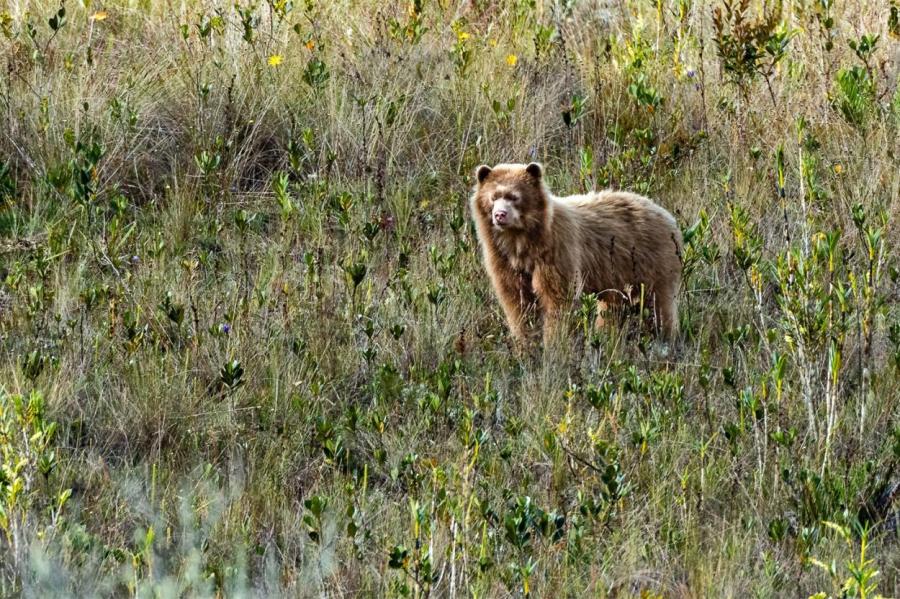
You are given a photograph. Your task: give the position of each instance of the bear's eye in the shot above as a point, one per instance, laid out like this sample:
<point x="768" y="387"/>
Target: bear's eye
<point x="514" y="199"/>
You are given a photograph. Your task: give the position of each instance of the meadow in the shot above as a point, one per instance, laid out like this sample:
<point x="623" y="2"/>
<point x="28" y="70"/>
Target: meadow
<point x="247" y="346"/>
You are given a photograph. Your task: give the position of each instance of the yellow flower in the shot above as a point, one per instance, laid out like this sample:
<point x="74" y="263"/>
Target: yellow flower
<point x="512" y="59"/>
<point x="100" y="15"/>
<point x="838" y="169"/>
<point x="310" y="45"/>
<point x="462" y="36"/>
<point x="275" y="60"/>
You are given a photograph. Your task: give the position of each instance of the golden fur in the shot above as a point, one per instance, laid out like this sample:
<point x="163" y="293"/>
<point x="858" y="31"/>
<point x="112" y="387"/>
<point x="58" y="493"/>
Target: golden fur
<point x="543" y="251"/>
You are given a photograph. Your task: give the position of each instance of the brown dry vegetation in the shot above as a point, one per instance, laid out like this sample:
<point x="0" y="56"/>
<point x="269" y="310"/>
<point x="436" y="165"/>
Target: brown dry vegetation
<point x="247" y="347"/>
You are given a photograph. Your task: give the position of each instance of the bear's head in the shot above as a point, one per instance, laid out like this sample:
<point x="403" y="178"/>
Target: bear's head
<point x="510" y="197"/>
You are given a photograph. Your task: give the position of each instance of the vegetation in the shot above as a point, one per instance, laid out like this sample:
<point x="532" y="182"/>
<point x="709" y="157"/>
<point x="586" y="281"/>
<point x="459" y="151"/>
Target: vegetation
<point x="248" y="347"/>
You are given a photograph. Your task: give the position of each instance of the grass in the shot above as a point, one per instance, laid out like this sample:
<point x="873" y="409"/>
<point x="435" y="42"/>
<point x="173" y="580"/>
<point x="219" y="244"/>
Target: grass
<point x="248" y="347"/>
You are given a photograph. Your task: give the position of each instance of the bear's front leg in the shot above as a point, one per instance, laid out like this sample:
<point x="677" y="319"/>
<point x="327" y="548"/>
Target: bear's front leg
<point x="552" y="291"/>
<point x="516" y="299"/>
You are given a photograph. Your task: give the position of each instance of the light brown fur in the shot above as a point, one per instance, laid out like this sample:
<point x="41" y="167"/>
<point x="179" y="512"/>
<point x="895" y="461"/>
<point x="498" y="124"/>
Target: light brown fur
<point x="609" y="243"/>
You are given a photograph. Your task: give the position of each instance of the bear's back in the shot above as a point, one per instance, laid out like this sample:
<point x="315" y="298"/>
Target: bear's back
<point x="624" y="238"/>
<point x="621" y="213"/>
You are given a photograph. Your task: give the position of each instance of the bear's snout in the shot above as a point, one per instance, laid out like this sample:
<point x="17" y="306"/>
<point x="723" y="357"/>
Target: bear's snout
<point x="504" y="214"/>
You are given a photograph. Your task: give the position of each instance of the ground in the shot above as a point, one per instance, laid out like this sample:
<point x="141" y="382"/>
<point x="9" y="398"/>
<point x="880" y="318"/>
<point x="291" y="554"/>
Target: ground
<point x="248" y="346"/>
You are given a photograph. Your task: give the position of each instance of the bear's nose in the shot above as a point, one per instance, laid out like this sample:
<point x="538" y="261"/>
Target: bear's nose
<point x="500" y="216"/>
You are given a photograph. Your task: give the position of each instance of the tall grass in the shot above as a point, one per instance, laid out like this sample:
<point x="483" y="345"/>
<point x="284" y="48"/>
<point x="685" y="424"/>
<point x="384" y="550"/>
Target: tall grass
<point x="248" y="347"/>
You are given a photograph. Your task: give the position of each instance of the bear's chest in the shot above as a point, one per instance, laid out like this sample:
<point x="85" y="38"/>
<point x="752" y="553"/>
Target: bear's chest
<point x="521" y="264"/>
<point x="518" y="253"/>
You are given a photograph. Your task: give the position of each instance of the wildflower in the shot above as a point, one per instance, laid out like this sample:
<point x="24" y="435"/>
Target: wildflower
<point x="310" y="45"/>
<point x="275" y="60"/>
<point x="100" y="15"/>
<point x="462" y="36"/>
<point x="225" y="328"/>
<point x="838" y="169"/>
<point x="691" y="73"/>
<point x="512" y="59"/>
<point x="135" y="259"/>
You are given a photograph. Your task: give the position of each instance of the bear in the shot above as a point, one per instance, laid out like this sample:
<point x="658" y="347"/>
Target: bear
<point x="542" y="252"/>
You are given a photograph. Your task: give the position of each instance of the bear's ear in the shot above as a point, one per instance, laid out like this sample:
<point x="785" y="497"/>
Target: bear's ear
<point x="482" y="173"/>
<point x="535" y="170"/>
